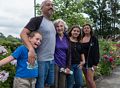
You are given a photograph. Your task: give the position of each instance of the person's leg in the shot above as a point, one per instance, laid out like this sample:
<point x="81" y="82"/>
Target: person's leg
<point x="32" y="82"/>
<point x="21" y="83"/>
<point x="78" y="77"/>
<point x="89" y="76"/>
<point x="86" y="77"/>
<point x="56" y="77"/>
<point x="70" y="79"/>
<point x="50" y="76"/>
<point x="62" y="80"/>
<point x="41" y="74"/>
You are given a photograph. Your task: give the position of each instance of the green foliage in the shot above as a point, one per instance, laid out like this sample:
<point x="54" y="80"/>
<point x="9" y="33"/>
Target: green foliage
<point x="10" y="44"/>
<point x="9" y="82"/>
<point x="9" y="68"/>
<point x="70" y="11"/>
<point x="104" y="14"/>
<point x="109" y="57"/>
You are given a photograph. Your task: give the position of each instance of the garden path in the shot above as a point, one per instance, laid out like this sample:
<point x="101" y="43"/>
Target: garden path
<point x="112" y="81"/>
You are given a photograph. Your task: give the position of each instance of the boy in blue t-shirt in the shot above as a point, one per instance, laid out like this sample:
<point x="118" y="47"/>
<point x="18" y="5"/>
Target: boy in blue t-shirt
<point x="24" y="77"/>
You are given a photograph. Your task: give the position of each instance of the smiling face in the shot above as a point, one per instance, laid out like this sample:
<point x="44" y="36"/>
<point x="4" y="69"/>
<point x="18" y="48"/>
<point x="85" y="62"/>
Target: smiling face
<point x="60" y="28"/>
<point x="35" y="40"/>
<point x="75" y="32"/>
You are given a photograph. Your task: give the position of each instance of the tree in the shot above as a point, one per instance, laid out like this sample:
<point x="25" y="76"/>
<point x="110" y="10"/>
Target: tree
<point x="104" y="15"/>
<point x="2" y="35"/>
<point x="68" y="10"/>
<point x="100" y="11"/>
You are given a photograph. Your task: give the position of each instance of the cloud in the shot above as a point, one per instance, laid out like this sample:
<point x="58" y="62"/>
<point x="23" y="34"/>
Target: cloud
<point x="14" y="14"/>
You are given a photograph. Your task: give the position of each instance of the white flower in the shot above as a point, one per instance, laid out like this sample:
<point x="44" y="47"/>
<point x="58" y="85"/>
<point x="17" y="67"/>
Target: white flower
<point x="14" y="62"/>
<point x="4" y="75"/>
<point x="3" y="51"/>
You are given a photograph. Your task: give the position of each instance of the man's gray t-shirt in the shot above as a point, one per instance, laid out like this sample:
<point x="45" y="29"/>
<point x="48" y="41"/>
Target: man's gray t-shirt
<point x="46" y="50"/>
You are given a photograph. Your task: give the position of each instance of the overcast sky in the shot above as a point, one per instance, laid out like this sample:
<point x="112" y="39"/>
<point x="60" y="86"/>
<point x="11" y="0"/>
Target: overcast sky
<point x="14" y="15"/>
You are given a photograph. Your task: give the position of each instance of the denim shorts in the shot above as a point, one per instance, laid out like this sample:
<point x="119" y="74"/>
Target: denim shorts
<point x="45" y="74"/>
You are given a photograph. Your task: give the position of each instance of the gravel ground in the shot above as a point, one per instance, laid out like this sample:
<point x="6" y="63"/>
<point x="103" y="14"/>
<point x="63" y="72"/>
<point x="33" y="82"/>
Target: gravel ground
<point x="112" y="81"/>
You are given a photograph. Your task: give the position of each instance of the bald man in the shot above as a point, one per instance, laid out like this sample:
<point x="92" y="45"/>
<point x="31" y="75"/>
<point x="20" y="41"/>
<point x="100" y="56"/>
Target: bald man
<point x="45" y="51"/>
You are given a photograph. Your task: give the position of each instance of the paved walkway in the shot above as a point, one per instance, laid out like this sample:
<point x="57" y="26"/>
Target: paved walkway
<point x="112" y="81"/>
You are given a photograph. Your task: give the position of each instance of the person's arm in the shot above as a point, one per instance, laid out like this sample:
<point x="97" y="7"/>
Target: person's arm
<point x="96" y="52"/>
<point x="82" y="61"/>
<point x="6" y="60"/>
<point x="31" y="53"/>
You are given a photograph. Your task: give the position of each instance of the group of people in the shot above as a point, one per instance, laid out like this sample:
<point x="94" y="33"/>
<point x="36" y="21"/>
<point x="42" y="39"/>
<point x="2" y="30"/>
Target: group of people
<point x="75" y="50"/>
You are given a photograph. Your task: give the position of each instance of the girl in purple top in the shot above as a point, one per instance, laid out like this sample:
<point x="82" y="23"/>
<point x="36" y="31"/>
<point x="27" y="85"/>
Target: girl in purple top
<point x="62" y="57"/>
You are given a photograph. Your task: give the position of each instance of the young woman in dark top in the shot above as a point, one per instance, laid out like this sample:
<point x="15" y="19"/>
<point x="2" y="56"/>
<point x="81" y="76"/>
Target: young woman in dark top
<point x="77" y="59"/>
<point x="91" y="51"/>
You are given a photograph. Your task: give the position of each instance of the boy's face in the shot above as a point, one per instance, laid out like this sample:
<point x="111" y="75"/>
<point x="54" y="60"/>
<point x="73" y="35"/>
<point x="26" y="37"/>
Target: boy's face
<point x="36" y="40"/>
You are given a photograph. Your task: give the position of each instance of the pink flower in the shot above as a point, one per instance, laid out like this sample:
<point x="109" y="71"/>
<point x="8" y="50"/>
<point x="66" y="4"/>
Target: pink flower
<point x="111" y="52"/>
<point x="105" y="56"/>
<point x="118" y="45"/>
<point x="111" y="59"/>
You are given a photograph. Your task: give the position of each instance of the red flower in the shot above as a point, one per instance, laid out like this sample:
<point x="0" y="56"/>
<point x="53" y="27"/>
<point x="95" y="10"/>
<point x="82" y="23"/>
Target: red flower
<point x="111" y="59"/>
<point x="118" y="45"/>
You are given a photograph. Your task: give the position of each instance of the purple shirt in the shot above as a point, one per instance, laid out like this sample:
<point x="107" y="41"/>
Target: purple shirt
<point x="61" y="49"/>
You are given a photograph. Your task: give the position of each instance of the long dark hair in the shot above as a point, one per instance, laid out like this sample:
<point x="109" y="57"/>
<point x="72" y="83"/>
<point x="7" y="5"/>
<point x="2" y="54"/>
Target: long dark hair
<point x="91" y="32"/>
<point x="75" y="26"/>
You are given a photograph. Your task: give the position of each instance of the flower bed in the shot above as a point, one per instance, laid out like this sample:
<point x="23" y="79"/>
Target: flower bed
<point x="110" y="57"/>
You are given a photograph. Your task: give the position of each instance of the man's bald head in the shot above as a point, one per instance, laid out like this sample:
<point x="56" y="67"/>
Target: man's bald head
<point x="44" y="3"/>
<point x="47" y="8"/>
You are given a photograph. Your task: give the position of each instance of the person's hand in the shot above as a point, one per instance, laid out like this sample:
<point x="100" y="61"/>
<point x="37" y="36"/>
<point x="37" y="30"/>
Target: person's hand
<point x="95" y="67"/>
<point x="31" y="56"/>
<point x="81" y="65"/>
<point x="67" y="71"/>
